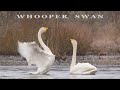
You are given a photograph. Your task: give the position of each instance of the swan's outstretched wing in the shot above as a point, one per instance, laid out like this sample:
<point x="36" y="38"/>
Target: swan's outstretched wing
<point x="28" y="49"/>
<point x="38" y="49"/>
<point x="35" y="55"/>
<point x="25" y="49"/>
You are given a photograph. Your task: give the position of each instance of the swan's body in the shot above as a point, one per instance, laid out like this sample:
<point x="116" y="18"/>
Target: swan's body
<point x="80" y="68"/>
<point x="43" y="59"/>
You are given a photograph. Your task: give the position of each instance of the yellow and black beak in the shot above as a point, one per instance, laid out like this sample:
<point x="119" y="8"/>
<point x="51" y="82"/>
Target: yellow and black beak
<point x="46" y="28"/>
<point x="71" y="40"/>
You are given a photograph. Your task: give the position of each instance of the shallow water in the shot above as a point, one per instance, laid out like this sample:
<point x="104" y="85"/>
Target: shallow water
<point x="57" y="72"/>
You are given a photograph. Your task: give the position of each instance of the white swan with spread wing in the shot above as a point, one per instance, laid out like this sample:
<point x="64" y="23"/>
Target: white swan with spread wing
<point x="80" y="68"/>
<point x="42" y="58"/>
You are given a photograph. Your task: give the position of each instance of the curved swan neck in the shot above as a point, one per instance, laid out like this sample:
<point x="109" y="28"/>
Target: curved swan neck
<point x="73" y="56"/>
<point x="46" y="49"/>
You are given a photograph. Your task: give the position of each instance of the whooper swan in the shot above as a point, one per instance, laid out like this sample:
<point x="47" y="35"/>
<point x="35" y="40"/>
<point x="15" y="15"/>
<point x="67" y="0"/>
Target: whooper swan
<point x="42" y="58"/>
<point x="80" y="68"/>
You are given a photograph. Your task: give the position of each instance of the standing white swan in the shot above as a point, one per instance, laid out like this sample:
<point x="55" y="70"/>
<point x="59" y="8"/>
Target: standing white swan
<point x="43" y="59"/>
<point x="80" y="68"/>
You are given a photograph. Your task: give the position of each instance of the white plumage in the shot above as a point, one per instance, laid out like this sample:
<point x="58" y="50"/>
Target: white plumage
<point x="43" y="59"/>
<point x="80" y="68"/>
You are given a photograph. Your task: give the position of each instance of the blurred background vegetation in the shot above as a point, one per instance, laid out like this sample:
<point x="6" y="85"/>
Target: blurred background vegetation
<point x="94" y="36"/>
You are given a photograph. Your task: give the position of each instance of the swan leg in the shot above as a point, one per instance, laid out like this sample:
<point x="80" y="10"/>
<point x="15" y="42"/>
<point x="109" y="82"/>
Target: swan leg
<point x="29" y="64"/>
<point x="39" y="71"/>
<point x="31" y="72"/>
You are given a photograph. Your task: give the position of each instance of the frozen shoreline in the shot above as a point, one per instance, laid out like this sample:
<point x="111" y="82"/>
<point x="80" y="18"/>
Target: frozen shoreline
<point x="15" y="67"/>
<point x="10" y="60"/>
<point x="57" y="72"/>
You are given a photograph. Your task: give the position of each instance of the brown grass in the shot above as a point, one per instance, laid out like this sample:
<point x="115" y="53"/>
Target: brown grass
<point x="106" y="39"/>
<point x="63" y="32"/>
<point x="98" y="37"/>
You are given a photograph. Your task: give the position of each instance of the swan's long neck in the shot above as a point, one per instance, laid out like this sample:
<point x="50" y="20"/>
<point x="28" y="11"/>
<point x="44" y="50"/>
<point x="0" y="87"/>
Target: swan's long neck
<point x="73" y="56"/>
<point x="46" y="49"/>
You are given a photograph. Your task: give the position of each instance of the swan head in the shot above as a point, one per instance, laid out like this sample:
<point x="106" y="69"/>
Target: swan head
<point x="74" y="42"/>
<point x="43" y="29"/>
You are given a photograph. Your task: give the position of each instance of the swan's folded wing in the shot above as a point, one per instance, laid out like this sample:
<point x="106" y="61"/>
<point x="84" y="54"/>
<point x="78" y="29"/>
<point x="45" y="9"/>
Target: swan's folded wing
<point x="81" y="67"/>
